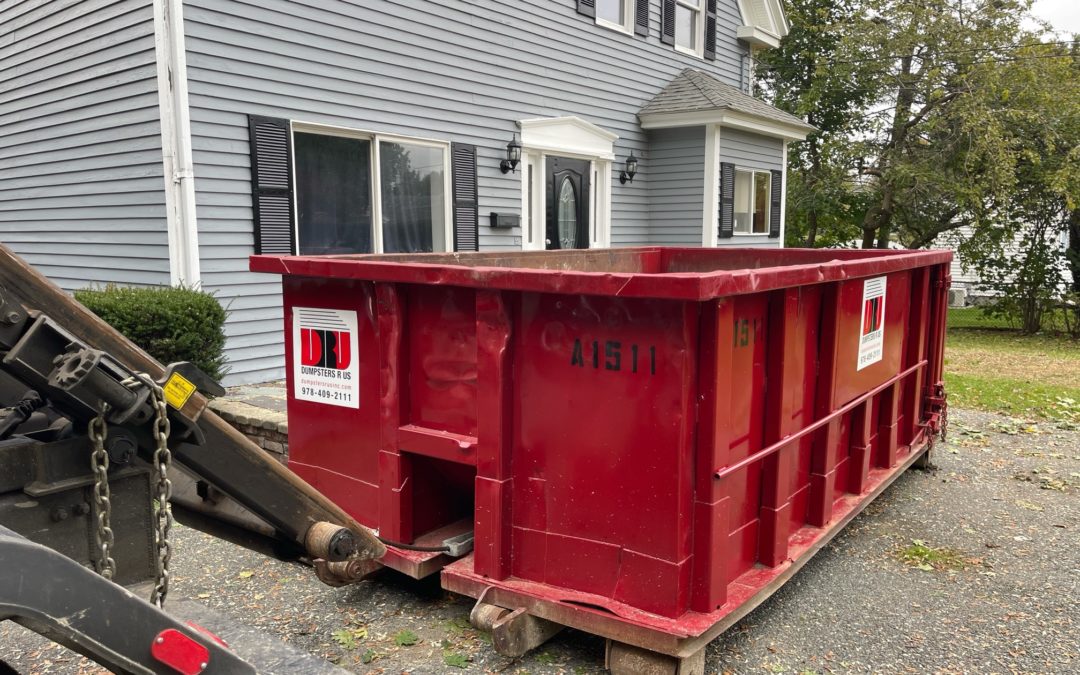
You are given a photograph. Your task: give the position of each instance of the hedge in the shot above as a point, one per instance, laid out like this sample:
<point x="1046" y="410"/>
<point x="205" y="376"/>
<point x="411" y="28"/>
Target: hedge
<point x="171" y="324"/>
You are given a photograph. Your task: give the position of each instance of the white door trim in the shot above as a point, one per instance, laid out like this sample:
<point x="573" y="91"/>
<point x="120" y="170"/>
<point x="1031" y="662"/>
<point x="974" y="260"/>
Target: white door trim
<point x="565" y="137"/>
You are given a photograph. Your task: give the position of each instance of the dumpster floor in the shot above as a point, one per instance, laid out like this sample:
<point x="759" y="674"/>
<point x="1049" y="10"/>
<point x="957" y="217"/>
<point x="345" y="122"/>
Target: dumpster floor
<point x="999" y="520"/>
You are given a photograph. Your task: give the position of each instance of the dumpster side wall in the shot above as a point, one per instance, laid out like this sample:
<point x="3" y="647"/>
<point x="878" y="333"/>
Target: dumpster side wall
<point x="452" y="71"/>
<point x="83" y="196"/>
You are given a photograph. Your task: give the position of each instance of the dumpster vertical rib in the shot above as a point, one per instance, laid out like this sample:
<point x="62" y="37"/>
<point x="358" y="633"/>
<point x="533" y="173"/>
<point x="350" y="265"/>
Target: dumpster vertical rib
<point x="887" y="426"/>
<point x="781" y="387"/>
<point x="860" y="446"/>
<point x="494" y="431"/>
<point x="826" y="442"/>
<point x="916" y="351"/>
<point x="712" y="506"/>
<point x="395" y="484"/>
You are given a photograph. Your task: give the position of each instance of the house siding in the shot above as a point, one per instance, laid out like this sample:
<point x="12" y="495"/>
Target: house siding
<point x="676" y="185"/>
<point x="751" y="151"/>
<point x="478" y="69"/>
<point x="81" y="176"/>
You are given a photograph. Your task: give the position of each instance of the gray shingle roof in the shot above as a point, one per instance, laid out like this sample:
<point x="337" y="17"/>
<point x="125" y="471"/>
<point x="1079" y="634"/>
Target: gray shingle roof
<point x="694" y="91"/>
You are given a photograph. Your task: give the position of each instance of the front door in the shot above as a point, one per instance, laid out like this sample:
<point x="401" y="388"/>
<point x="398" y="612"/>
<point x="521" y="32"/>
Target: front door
<point x="567" y="203"/>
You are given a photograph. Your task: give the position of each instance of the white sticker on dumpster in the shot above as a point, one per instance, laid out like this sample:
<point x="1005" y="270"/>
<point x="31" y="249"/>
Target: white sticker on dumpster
<point x="325" y="365"/>
<point x="872" y="333"/>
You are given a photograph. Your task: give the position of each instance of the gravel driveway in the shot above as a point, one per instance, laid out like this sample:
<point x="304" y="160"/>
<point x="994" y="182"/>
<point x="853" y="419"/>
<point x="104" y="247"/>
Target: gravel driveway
<point x="992" y="586"/>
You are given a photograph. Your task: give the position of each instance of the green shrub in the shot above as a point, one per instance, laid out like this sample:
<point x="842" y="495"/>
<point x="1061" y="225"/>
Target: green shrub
<point x="171" y="324"/>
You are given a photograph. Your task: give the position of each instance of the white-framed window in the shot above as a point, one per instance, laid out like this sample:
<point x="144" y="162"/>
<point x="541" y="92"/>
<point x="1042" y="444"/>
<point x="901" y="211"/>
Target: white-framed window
<point x="363" y="192"/>
<point x="752" y="196"/>
<point x="616" y="14"/>
<point x="689" y="27"/>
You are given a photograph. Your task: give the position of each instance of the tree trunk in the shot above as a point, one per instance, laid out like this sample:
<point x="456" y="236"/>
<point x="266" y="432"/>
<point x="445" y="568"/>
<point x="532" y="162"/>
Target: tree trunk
<point x="883" y="235"/>
<point x="811" y="227"/>
<point x="1073" y="252"/>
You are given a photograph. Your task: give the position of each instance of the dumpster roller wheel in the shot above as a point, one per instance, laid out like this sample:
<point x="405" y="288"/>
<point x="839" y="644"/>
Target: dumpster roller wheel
<point x="623" y="659"/>
<point x="513" y="631"/>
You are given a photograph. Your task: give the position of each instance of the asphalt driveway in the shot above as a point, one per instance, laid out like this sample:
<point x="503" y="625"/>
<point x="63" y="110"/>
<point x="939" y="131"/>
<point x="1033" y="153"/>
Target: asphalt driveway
<point x="974" y="567"/>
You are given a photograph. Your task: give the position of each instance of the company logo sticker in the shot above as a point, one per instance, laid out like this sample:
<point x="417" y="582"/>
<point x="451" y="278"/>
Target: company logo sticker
<point x="872" y="334"/>
<point x="325" y="365"/>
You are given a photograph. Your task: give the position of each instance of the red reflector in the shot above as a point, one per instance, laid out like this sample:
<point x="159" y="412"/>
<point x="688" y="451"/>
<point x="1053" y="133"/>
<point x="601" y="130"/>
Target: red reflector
<point x="205" y="631"/>
<point x="179" y="652"/>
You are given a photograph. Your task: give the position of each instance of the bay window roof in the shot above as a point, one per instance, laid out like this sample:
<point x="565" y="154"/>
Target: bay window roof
<point x="695" y="98"/>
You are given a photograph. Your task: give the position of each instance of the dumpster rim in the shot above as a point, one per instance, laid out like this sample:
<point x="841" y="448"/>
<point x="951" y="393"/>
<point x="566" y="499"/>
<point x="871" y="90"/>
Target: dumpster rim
<point x="686" y="286"/>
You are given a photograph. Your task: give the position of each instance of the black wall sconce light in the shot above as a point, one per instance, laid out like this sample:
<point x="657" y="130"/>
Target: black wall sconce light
<point x="627" y="174"/>
<point x="513" y="156"/>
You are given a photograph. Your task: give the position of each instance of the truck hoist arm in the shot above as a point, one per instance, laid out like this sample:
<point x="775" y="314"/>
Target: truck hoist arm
<point x="64" y="374"/>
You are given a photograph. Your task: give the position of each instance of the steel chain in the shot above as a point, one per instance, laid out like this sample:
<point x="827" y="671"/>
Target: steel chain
<point x="944" y="421"/>
<point x="99" y="464"/>
<point x="162" y="460"/>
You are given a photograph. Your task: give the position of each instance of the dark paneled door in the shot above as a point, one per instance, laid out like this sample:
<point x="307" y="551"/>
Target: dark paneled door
<point x="567" y="203"/>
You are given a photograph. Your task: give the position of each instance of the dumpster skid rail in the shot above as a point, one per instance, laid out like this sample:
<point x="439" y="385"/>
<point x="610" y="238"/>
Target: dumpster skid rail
<point x="645" y="443"/>
<point x="63" y="372"/>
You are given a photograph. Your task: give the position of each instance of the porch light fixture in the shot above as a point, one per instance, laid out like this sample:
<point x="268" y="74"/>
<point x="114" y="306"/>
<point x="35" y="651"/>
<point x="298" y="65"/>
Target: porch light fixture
<point x="513" y="156"/>
<point x="627" y="175"/>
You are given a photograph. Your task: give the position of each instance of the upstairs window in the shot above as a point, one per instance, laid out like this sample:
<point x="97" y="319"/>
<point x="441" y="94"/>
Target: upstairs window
<point x="614" y="14"/>
<point x="752" y="201"/>
<point x="688" y="26"/>
<point x="626" y="16"/>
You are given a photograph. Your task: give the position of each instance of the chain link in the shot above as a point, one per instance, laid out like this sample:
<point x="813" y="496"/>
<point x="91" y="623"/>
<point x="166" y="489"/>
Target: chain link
<point x="944" y="422"/>
<point x="162" y="460"/>
<point x="99" y="464"/>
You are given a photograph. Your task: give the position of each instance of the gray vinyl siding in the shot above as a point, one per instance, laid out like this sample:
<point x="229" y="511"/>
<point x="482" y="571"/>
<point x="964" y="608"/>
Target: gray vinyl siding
<point x="751" y="151"/>
<point x="453" y="70"/>
<point x="676" y="186"/>
<point x="81" y="176"/>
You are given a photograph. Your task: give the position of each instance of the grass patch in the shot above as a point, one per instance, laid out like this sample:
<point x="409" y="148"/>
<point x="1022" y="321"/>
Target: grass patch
<point x="1033" y="376"/>
<point x="921" y="555"/>
<point x="974" y="317"/>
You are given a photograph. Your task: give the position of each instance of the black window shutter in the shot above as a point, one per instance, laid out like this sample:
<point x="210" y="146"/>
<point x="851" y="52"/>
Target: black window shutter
<point x="710" y="30"/>
<point x="271" y="184"/>
<point x="586" y="7"/>
<point x="727" y="200"/>
<point x="667" y="22"/>
<point x="641" y="18"/>
<point x="776" y="194"/>
<point x="466" y="207"/>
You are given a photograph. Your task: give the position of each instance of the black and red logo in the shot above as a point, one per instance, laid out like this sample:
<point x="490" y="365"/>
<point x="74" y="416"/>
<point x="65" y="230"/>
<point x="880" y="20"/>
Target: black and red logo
<point x="872" y="314"/>
<point x="321" y="348"/>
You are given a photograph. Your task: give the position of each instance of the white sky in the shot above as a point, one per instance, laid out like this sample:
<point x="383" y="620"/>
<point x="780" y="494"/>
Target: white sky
<point x="1063" y="15"/>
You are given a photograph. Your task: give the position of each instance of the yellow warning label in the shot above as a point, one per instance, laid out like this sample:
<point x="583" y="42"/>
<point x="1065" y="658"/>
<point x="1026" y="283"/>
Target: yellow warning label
<point x="178" y="390"/>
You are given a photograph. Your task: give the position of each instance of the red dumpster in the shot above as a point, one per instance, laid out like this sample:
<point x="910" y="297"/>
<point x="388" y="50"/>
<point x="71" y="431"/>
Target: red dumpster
<point x="644" y="442"/>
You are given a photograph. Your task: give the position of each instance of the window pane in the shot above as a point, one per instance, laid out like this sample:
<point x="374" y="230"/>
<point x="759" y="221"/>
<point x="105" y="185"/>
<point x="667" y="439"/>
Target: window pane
<point x="685" y="27"/>
<point x="761" y="202"/>
<point x="568" y="212"/>
<point x="743" y="181"/>
<point x="610" y="10"/>
<point x="413" y="182"/>
<point x="333" y="194"/>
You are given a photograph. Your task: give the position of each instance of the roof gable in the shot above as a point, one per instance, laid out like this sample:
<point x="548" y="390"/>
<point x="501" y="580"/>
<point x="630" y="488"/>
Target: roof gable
<point x="764" y="22"/>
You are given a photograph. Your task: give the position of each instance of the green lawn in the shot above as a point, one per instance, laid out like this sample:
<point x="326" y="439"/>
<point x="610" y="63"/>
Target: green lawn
<point x="1029" y="376"/>
<point x="973" y="317"/>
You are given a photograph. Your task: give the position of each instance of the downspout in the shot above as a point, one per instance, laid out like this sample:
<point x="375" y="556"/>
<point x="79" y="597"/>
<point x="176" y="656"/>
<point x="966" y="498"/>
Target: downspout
<point x="783" y="196"/>
<point x="183" y="233"/>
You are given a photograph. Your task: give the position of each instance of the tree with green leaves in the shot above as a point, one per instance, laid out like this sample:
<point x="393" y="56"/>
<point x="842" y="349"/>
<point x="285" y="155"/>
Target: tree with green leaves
<point x="815" y="74"/>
